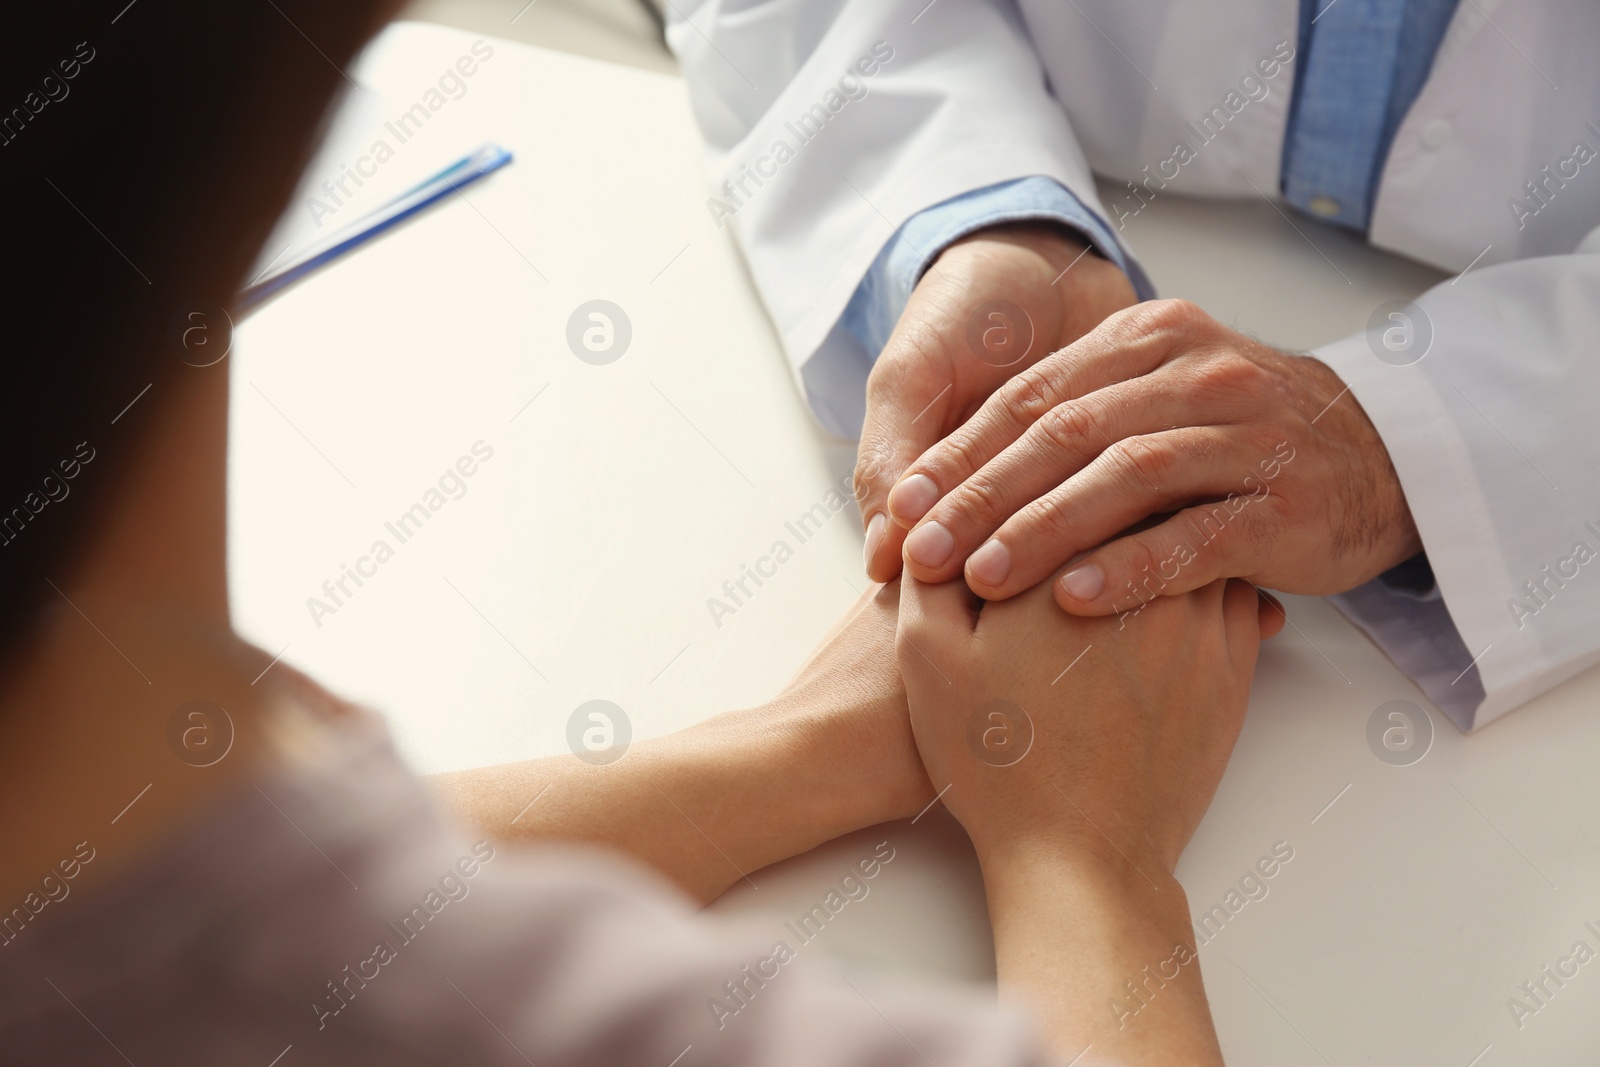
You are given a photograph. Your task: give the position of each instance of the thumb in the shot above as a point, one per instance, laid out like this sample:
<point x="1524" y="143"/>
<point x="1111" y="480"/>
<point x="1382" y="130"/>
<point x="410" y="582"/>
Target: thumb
<point x="909" y="399"/>
<point x="934" y="626"/>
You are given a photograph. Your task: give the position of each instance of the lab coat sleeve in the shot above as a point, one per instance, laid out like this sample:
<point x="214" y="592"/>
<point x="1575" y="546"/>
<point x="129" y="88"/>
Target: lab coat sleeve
<point x="829" y="124"/>
<point x="1494" y="435"/>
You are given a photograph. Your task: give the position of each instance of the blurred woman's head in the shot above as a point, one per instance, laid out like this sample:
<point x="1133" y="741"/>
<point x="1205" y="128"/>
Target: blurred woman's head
<point x="145" y="152"/>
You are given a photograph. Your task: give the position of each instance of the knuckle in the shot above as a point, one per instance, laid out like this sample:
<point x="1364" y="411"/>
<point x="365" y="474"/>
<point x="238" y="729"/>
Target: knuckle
<point x="1217" y="533"/>
<point x="1203" y="525"/>
<point x="1072" y="427"/>
<point x="981" y="500"/>
<point x="1260" y="536"/>
<point x="1165" y="316"/>
<point x="953" y="460"/>
<point x="1259" y="442"/>
<point x="1046" y="519"/>
<point x="1142" y="459"/>
<point x="1200" y="447"/>
<point x="1231" y="375"/>
<point x="1143" y="573"/>
<point x="1176" y="313"/>
<point x="1032" y="392"/>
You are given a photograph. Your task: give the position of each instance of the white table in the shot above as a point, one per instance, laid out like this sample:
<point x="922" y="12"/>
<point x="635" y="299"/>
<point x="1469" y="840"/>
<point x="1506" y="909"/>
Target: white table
<point x="620" y="497"/>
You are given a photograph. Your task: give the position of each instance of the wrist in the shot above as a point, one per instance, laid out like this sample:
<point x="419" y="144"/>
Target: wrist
<point x="845" y="719"/>
<point x="829" y="757"/>
<point x="851" y="739"/>
<point x="1083" y="286"/>
<point x="1055" y="243"/>
<point x="1380" y="515"/>
<point x="1076" y="936"/>
<point x="1093" y="870"/>
<point x="1110" y="909"/>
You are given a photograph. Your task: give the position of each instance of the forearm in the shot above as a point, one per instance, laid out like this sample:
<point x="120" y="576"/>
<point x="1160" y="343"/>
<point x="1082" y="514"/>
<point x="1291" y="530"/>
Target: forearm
<point x="708" y="805"/>
<point x="1105" y="960"/>
<point x="705" y="806"/>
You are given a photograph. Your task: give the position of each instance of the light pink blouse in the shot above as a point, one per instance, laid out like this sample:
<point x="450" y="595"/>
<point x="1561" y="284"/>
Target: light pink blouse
<point x="332" y="915"/>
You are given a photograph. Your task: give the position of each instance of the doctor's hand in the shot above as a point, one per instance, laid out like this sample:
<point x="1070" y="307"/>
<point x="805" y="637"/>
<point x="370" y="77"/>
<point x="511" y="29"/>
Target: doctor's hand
<point x="1233" y="459"/>
<point x="992" y="304"/>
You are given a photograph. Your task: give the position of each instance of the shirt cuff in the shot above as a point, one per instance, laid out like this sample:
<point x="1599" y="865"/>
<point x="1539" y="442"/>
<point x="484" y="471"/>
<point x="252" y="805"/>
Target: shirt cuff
<point x="875" y="308"/>
<point x="1404" y="614"/>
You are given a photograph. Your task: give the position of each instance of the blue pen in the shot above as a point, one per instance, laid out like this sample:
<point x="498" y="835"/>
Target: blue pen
<point x="486" y="160"/>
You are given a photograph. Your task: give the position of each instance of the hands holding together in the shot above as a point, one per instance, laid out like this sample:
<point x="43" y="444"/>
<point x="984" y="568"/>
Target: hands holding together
<point x="1034" y="441"/>
<point x="1032" y="435"/>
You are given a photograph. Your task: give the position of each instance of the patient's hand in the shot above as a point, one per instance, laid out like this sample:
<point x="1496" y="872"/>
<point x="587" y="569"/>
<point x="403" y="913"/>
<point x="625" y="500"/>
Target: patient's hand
<point x="1059" y="733"/>
<point x="850" y="687"/>
<point x="1080" y="754"/>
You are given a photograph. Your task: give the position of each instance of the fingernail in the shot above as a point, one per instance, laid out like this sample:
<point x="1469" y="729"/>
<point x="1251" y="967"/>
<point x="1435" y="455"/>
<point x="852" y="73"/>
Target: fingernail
<point x="930" y="545"/>
<point x="910" y="499"/>
<point x="991" y="563"/>
<point x="1084" y="583"/>
<point x="875" y="527"/>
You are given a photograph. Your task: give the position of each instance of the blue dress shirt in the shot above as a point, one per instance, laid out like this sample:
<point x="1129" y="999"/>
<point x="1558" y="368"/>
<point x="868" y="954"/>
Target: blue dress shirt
<point x="1360" y="65"/>
<point x="875" y="308"/>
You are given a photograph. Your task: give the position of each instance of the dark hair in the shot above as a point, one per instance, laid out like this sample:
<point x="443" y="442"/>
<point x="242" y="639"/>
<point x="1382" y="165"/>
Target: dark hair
<point x="146" y="149"/>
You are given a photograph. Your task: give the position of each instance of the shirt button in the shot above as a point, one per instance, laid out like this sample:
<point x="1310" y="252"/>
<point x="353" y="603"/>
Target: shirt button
<point x="1436" y="133"/>
<point x="1326" y="206"/>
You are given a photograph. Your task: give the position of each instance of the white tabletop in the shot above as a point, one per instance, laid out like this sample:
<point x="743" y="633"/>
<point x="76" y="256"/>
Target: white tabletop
<point x="618" y="498"/>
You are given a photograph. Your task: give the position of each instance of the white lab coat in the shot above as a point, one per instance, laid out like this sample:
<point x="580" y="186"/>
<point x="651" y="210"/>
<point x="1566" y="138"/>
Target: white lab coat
<point x="1494" y="433"/>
